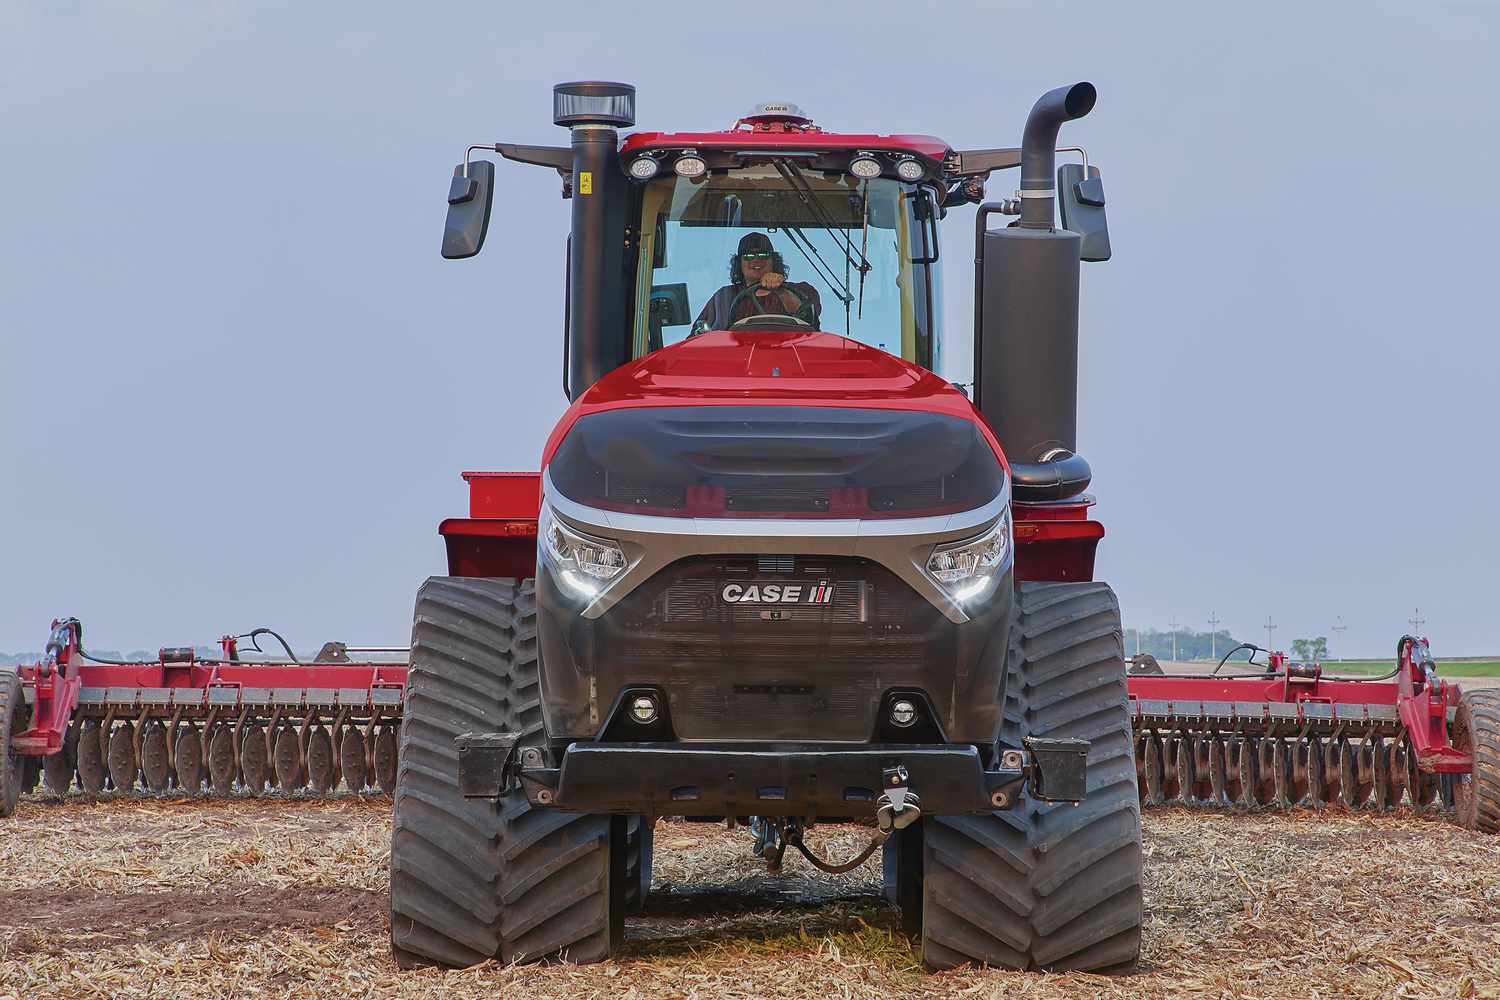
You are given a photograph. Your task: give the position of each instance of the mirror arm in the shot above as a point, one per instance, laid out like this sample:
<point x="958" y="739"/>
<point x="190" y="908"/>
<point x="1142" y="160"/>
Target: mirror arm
<point x="1081" y="152"/>
<point x="979" y="162"/>
<point x="559" y="158"/>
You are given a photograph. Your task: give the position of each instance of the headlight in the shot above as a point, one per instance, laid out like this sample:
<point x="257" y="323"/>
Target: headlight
<point x="968" y="570"/>
<point x="583" y="564"/>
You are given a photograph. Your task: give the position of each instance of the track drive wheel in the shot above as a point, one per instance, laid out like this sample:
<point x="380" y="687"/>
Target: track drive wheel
<point x="12" y="721"/>
<point x="474" y="879"/>
<point x="1051" y="886"/>
<point x="1476" y="731"/>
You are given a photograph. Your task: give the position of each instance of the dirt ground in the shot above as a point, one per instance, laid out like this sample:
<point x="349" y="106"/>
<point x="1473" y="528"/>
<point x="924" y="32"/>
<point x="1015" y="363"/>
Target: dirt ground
<point x="286" y="898"/>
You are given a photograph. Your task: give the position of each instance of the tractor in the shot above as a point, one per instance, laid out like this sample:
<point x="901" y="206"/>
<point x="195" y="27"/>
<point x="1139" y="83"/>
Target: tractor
<point x="774" y="569"/>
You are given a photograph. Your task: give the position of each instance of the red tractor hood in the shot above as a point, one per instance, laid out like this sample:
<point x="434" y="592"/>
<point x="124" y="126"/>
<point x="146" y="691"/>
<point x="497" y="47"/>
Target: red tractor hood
<point x="738" y="368"/>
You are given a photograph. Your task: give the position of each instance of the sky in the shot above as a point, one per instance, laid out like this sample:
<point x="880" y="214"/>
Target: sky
<point x="238" y="383"/>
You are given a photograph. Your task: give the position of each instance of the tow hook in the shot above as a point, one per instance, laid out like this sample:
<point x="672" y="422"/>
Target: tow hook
<point x="898" y="806"/>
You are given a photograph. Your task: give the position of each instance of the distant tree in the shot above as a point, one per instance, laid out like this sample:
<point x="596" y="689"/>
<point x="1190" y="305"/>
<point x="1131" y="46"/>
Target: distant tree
<point x="1190" y="645"/>
<point x="1310" y="650"/>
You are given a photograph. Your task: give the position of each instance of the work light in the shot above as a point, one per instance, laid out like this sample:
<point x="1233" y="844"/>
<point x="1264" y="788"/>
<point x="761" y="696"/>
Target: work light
<point x="910" y="169"/>
<point x="864" y="166"/>
<point x="644" y="168"/>
<point x="690" y="165"/>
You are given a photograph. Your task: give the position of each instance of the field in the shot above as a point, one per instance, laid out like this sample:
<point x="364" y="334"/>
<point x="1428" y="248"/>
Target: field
<point x="1446" y="668"/>
<point x="286" y="898"/>
<point x="1460" y="670"/>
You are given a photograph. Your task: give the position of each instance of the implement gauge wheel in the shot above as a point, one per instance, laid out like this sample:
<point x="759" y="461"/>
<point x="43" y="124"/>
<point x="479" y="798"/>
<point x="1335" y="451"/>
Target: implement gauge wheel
<point x="1046" y="886"/>
<point x="1476" y="731"/>
<point x="12" y="721"/>
<point x="475" y="879"/>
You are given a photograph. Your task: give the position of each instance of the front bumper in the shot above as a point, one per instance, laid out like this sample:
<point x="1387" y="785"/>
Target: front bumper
<point x="671" y="779"/>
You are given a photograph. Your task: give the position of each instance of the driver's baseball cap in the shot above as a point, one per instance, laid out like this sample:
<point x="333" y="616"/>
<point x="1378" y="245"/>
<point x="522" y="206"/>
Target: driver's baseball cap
<point x="755" y="243"/>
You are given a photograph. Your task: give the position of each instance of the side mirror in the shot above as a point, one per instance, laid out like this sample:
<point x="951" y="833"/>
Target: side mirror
<point x="469" y="200"/>
<point x="1081" y="201"/>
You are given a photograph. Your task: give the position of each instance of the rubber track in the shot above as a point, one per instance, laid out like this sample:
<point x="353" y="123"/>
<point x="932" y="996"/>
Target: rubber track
<point x="473" y="879"/>
<point x="1484" y="732"/>
<point x="11" y="778"/>
<point x="1049" y="886"/>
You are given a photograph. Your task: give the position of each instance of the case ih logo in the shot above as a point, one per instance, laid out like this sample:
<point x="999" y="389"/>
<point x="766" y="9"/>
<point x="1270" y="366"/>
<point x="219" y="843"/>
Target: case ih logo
<point x="777" y="593"/>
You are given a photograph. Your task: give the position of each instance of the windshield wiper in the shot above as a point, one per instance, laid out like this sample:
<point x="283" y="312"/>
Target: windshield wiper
<point x="792" y="174"/>
<point x="864" y="244"/>
<point x="816" y="260"/>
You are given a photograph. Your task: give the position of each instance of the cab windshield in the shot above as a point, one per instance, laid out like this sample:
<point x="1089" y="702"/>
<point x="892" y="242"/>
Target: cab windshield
<point x="845" y="255"/>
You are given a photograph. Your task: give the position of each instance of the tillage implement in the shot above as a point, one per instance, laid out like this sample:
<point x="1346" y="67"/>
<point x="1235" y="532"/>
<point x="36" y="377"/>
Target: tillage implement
<point x="1285" y="733"/>
<point x="192" y="724"/>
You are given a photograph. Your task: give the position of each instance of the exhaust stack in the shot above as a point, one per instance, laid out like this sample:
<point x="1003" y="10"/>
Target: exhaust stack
<point x="1026" y="317"/>
<point x="1039" y="149"/>
<point x="596" y="343"/>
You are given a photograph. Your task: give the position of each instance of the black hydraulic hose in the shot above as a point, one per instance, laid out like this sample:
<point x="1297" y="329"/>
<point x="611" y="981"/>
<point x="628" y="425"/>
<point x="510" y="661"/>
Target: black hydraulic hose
<point x="255" y="633"/>
<point x="116" y="663"/>
<point x="1267" y="671"/>
<point x="795" y="839"/>
<point x="251" y="635"/>
<point x="1244" y="645"/>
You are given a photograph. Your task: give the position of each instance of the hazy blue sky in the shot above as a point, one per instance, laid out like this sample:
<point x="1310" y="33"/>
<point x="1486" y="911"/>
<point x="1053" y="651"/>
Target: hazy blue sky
<point x="238" y="383"/>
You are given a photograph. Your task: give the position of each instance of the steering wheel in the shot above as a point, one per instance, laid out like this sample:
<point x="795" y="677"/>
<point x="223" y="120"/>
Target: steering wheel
<point x="805" y="309"/>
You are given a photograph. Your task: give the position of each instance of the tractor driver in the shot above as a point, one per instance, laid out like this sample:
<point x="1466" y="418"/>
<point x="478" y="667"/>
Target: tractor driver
<point x="757" y="272"/>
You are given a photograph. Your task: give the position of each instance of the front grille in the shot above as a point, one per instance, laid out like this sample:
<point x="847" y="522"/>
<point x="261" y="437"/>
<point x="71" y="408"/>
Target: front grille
<point x="775" y="670"/>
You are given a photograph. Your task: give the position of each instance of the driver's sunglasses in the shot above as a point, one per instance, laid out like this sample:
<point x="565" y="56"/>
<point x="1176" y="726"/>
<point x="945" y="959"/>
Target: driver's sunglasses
<point x="755" y="256"/>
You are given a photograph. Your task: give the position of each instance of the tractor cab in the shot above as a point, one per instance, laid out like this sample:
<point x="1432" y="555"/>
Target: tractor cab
<point x="774" y="228"/>
<point x="845" y="242"/>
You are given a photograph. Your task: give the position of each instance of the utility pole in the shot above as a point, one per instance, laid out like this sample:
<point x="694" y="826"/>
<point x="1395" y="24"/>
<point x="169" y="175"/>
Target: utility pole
<point x="1338" y="628"/>
<point x="1417" y="621"/>
<point x="1213" y="637"/>
<point x="1175" y="627"/>
<point x="1270" y="627"/>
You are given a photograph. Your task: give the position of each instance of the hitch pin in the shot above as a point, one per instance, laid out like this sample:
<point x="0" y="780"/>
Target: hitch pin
<point x="898" y="805"/>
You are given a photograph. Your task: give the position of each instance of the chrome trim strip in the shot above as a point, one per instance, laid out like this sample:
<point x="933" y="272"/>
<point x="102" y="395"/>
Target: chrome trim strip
<point x="651" y="542"/>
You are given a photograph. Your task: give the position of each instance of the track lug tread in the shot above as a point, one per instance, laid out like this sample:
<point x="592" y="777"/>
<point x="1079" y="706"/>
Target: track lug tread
<point x="1049" y="886"/>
